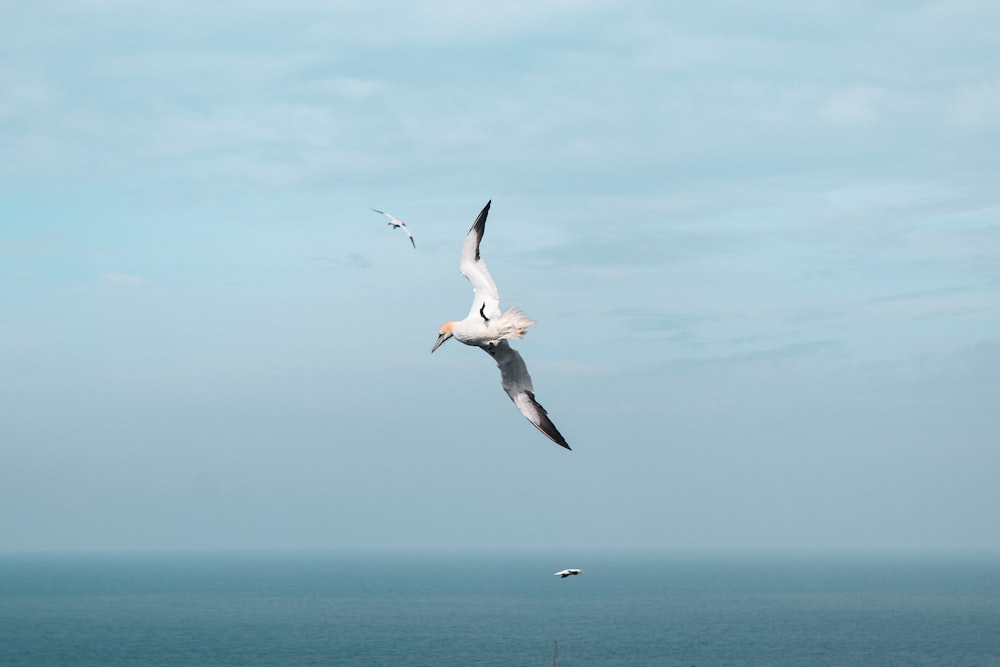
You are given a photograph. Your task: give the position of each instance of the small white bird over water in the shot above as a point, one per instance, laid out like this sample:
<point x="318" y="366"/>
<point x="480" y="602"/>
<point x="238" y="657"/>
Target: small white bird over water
<point x="489" y="329"/>
<point x="397" y="224"/>
<point x="568" y="573"/>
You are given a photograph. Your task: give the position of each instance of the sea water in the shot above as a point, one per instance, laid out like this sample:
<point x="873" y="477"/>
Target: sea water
<point x="433" y="610"/>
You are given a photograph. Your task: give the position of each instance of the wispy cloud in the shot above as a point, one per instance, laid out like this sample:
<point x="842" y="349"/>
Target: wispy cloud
<point x="977" y="107"/>
<point x="853" y="106"/>
<point x="759" y="355"/>
<point x="351" y="87"/>
<point x="124" y="280"/>
<point x="351" y="260"/>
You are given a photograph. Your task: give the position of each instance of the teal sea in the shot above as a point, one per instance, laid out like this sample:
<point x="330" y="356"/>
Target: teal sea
<point x="423" y="610"/>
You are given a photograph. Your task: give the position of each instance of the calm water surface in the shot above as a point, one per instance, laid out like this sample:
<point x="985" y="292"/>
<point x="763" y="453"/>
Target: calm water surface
<point x="433" y="610"/>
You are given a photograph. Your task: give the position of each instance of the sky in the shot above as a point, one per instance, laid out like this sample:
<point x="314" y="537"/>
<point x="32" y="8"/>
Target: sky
<point x="761" y="241"/>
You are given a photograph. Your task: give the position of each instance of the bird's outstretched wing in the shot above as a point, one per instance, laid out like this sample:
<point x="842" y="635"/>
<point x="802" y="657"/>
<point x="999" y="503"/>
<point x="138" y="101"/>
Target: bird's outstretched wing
<point x="474" y="268"/>
<point x="517" y="383"/>
<point x="407" y="230"/>
<point x="388" y="215"/>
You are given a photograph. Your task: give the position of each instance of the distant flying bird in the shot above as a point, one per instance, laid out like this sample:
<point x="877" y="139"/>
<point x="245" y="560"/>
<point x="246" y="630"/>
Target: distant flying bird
<point x="397" y="224"/>
<point x="568" y="573"/>
<point x="489" y="329"/>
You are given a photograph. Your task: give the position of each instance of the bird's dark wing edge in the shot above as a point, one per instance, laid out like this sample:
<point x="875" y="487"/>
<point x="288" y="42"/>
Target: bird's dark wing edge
<point x="479" y="226"/>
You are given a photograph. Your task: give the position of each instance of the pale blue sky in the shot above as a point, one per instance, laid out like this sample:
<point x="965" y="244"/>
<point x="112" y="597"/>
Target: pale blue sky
<point x="761" y="241"/>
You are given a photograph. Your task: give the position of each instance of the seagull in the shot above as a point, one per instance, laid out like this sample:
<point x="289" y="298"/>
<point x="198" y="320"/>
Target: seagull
<point x="568" y="573"/>
<point x="397" y="224"/>
<point x="489" y="329"/>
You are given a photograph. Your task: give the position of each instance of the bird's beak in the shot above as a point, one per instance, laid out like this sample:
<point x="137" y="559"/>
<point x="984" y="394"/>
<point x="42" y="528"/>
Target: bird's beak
<point x="442" y="338"/>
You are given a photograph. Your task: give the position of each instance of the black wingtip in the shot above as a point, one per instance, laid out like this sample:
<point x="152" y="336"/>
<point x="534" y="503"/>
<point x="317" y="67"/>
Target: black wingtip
<point x="545" y="424"/>
<point x="554" y="435"/>
<point x="480" y="226"/>
<point x="481" y="218"/>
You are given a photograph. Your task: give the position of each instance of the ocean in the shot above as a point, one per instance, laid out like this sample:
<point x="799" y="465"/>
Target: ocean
<point x="434" y="610"/>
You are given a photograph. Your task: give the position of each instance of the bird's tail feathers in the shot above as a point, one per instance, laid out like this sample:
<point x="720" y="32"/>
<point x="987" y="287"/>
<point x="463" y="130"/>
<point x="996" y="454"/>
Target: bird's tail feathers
<point x="511" y="323"/>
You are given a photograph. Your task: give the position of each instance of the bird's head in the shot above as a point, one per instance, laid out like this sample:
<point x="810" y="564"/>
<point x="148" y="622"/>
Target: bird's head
<point x="443" y="334"/>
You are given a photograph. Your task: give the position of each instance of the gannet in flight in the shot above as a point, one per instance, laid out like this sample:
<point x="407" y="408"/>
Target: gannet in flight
<point x="488" y="328"/>
<point x="568" y="573"/>
<point x="397" y="224"/>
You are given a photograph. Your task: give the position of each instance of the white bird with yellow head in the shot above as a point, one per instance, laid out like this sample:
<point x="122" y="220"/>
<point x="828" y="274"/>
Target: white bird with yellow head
<point x="489" y="328"/>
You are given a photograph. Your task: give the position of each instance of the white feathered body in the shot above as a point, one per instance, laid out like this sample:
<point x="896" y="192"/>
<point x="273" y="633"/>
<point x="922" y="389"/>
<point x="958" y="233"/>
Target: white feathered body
<point x="511" y="324"/>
